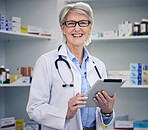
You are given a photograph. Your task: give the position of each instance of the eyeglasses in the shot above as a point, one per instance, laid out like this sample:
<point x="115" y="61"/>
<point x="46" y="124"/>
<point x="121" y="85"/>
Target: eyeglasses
<point x="81" y="23"/>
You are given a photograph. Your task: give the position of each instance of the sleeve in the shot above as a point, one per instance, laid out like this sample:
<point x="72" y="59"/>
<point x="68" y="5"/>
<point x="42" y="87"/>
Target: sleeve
<point x="107" y="120"/>
<point x="38" y="107"/>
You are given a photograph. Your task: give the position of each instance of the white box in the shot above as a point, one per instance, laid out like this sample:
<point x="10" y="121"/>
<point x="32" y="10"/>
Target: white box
<point x="110" y="33"/>
<point x="121" y="30"/>
<point x="16" y="29"/>
<point x="128" y="29"/>
<point x="45" y="32"/>
<point x="33" y="29"/>
<point x="14" y="24"/>
<point x="16" y="19"/>
<point x="124" y="124"/>
<point x="6" y="122"/>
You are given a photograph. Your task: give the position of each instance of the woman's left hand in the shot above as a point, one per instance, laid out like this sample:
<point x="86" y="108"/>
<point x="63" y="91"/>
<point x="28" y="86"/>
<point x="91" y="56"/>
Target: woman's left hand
<point x="105" y="102"/>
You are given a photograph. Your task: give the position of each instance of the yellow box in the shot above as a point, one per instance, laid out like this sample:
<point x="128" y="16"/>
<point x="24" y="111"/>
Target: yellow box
<point x="14" y="77"/>
<point x="145" y="73"/>
<point x="144" y="80"/>
<point x="24" y="29"/>
<point x="19" y="124"/>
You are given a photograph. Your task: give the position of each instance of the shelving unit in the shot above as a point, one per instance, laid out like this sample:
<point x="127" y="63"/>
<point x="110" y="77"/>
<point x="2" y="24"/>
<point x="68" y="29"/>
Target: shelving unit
<point x="125" y="85"/>
<point x="9" y="35"/>
<point x="144" y="37"/>
<point x="131" y="96"/>
<point x="14" y="85"/>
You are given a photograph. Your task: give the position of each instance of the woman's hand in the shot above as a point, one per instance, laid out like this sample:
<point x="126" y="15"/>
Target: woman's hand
<point x="105" y="102"/>
<point x="74" y="104"/>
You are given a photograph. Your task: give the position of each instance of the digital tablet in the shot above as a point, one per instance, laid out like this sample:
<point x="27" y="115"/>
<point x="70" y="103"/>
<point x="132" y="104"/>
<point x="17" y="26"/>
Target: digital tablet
<point x="109" y="85"/>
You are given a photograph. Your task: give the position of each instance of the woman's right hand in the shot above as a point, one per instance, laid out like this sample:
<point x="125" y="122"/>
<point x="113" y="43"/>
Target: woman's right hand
<point x="74" y="104"/>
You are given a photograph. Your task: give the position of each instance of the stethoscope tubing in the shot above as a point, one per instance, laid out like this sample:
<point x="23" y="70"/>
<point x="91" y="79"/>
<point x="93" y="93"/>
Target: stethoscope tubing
<point x="66" y="62"/>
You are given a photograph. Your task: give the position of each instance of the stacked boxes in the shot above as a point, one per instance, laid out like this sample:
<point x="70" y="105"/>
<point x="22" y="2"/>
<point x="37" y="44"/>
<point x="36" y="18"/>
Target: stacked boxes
<point x="2" y="22"/>
<point x="8" y="25"/>
<point x="145" y="75"/>
<point x="16" y="24"/>
<point x="125" y="29"/>
<point x="138" y="74"/>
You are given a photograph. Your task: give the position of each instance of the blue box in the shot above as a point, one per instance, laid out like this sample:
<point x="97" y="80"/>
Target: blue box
<point x="2" y="17"/>
<point x="8" y="26"/>
<point x="136" y="73"/>
<point x="136" y="66"/>
<point x="146" y="67"/>
<point x="2" y="22"/>
<point x="141" y="124"/>
<point x="136" y="80"/>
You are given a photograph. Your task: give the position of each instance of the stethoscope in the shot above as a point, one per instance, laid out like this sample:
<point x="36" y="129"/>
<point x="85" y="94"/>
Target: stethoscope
<point x="68" y="65"/>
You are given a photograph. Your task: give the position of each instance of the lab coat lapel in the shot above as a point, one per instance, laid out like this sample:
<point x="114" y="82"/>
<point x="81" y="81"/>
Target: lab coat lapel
<point x="91" y="73"/>
<point x="63" y="53"/>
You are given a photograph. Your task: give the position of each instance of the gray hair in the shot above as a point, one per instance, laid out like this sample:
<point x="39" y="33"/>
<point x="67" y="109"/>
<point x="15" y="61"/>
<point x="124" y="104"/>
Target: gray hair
<point x="78" y="7"/>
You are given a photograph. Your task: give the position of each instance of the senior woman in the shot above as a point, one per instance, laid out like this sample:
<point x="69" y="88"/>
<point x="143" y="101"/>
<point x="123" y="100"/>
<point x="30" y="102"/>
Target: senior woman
<point x="63" y="76"/>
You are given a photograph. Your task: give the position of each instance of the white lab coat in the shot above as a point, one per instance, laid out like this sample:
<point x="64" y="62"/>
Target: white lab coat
<point x="48" y="100"/>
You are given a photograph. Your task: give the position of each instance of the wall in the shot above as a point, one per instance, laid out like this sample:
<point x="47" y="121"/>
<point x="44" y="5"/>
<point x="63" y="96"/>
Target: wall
<point x="43" y="14"/>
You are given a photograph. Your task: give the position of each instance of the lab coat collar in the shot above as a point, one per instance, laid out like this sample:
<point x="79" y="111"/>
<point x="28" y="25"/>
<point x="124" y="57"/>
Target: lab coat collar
<point x="63" y="52"/>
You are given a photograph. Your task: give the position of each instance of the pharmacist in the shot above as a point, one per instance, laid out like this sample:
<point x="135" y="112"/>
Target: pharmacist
<point x="63" y="76"/>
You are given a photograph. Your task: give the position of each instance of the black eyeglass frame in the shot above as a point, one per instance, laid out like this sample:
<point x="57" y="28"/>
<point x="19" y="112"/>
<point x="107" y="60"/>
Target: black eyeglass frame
<point x="76" y="23"/>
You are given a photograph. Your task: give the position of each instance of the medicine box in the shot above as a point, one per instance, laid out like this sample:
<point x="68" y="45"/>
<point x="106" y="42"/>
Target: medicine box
<point x="14" y="77"/>
<point x="33" y="30"/>
<point x="144" y="80"/>
<point x="145" y="73"/>
<point x="141" y="125"/>
<point x="45" y="32"/>
<point x="136" y="73"/>
<point x="24" y="29"/>
<point x="110" y="33"/>
<point x="121" y="29"/>
<point x="16" y="19"/>
<point x="124" y="125"/>
<point x="136" y="80"/>
<point x="7" y="122"/>
<point x="128" y="29"/>
<point x="19" y="124"/>
<point x="8" y="26"/>
<point x="136" y="66"/>
<point x="2" y="22"/>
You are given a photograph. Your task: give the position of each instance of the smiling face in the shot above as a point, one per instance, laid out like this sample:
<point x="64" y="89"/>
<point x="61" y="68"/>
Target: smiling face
<point x="76" y="36"/>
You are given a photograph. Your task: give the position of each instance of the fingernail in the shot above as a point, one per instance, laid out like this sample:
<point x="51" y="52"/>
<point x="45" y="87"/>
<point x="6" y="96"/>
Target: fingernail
<point x="102" y="91"/>
<point x="84" y="101"/>
<point x="97" y="95"/>
<point x="86" y="97"/>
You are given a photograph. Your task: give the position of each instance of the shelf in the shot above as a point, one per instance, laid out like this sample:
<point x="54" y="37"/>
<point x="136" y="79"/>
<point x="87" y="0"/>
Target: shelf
<point x="9" y="35"/>
<point x="14" y="85"/>
<point x="122" y="38"/>
<point x="127" y="85"/>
